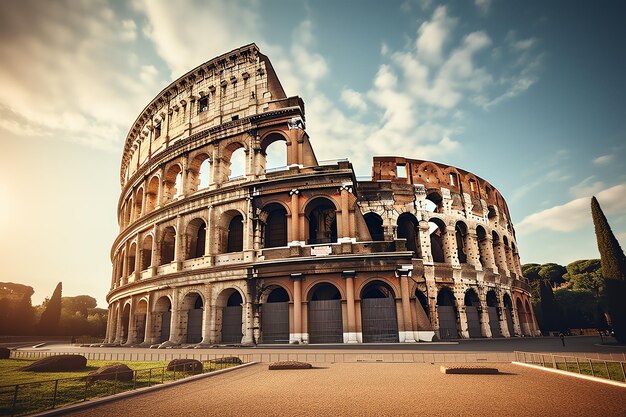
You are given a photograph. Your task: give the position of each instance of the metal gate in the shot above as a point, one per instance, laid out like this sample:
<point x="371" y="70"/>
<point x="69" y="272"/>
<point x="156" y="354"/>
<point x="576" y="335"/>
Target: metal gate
<point x="231" y="324"/>
<point x="166" y="321"/>
<point x="325" y="325"/>
<point x="194" y="325"/>
<point x="275" y="322"/>
<point x="494" y="322"/>
<point x="473" y="321"/>
<point x="447" y="322"/>
<point x="509" y="321"/>
<point x="379" y="320"/>
<point x="140" y="322"/>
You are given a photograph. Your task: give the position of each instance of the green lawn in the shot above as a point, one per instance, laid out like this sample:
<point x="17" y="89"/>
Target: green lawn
<point x="596" y="368"/>
<point x="41" y="392"/>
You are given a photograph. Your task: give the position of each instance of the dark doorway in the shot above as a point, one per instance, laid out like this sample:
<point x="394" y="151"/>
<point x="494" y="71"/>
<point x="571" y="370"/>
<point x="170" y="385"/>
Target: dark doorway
<point x="446" y="312"/>
<point x="378" y="314"/>
<point x="471" y="313"/>
<point x="231" y="319"/>
<point x="275" y="317"/>
<point x="324" y="320"/>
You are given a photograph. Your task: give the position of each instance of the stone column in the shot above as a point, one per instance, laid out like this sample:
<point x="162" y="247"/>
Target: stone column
<point x="175" y="320"/>
<point x="248" y="231"/>
<point x="504" y="326"/>
<point x="132" y="328"/>
<point x="409" y="337"/>
<point x="297" y="308"/>
<point x="500" y="257"/>
<point x="179" y="254"/>
<point x="345" y="212"/>
<point x="248" y="335"/>
<point x="125" y="265"/>
<point x="349" y="335"/>
<point x="210" y="235"/>
<point x="154" y="258"/>
<point x="138" y="246"/>
<point x="464" y="330"/>
<point x="473" y="251"/>
<point x="147" y="338"/>
<point x="450" y="253"/>
<point x="159" y="197"/>
<point x="484" y="317"/>
<point x="118" y="324"/>
<point x="206" y="317"/>
<point x="107" y="339"/>
<point x="295" y="210"/>
<point x="424" y="237"/>
<point x="486" y="249"/>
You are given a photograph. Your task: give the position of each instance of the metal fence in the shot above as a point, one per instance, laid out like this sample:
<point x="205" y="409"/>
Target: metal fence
<point x="33" y="397"/>
<point x="601" y="368"/>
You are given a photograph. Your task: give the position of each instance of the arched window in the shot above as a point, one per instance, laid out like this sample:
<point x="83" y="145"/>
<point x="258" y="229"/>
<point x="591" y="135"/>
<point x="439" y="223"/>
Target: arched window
<point x="146" y="253"/>
<point x="324" y="314"/>
<point x="168" y="243"/>
<point x="375" y="226"/>
<point x="275" y="226"/>
<point x="472" y="303"/>
<point x="196" y="239"/>
<point x="152" y="195"/>
<point x="461" y="241"/>
<point x="322" y="217"/>
<point x="434" y="202"/>
<point x="199" y="172"/>
<point x="131" y="258"/>
<point x="138" y="202"/>
<point x="235" y="234"/>
<point x="275" y="150"/>
<point x="407" y="229"/>
<point x="237" y="164"/>
<point x="437" y="229"/>
<point x="446" y="312"/>
<point x="483" y="246"/>
<point x="378" y="313"/>
<point x="172" y="186"/>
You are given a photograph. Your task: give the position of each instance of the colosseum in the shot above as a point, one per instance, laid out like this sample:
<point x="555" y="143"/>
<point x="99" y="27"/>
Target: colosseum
<point x="300" y="253"/>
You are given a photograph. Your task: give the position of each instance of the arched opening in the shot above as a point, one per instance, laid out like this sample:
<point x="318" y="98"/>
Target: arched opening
<point x="275" y="226"/>
<point x="132" y="253"/>
<point x="231" y="304"/>
<point x="321" y="215"/>
<point x="508" y="255"/>
<point x="275" y="316"/>
<point x="523" y="319"/>
<point x="472" y="305"/>
<point x="146" y="253"/>
<point x="274" y="148"/>
<point x="152" y="195"/>
<point x="460" y="231"/>
<point x="446" y="312"/>
<point x="162" y="319"/>
<point x="168" y="243"/>
<point x="434" y="202"/>
<point x="194" y="306"/>
<point x="199" y="172"/>
<point x="140" y="321"/>
<point x="495" y="240"/>
<point x="375" y="226"/>
<point x="235" y="234"/>
<point x="138" y="203"/>
<point x="437" y="229"/>
<point x="515" y="259"/>
<point x="125" y="323"/>
<point x="493" y="313"/>
<point x="120" y="268"/>
<point x="237" y="163"/>
<point x="529" y="318"/>
<point x="492" y="213"/>
<point x="128" y="209"/>
<point x="172" y="183"/>
<point x="325" y="323"/>
<point x="408" y="229"/>
<point x="483" y="245"/>
<point x="379" y="320"/>
<point x="196" y="239"/>
<point x="113" y="328"/>
<point x="508" y="312"/>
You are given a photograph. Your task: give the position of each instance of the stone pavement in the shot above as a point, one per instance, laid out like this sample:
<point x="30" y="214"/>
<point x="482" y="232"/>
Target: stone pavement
<point x="375" y="389"/>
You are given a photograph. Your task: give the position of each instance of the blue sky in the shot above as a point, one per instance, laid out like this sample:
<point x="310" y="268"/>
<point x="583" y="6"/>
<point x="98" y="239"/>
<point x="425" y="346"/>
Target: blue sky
<point x="529" y="95"/>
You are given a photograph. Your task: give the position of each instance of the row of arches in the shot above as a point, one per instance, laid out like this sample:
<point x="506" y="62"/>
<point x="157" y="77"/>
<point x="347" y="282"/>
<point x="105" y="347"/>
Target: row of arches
<point x="325" y="316"/>
<point x="180" y="178"/>
<point x="489" y="250"/>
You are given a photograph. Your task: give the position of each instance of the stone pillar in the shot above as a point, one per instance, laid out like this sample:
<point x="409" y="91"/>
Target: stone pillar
<point x="296" y="337"/>
<point x="486" y="249"/>
<point x="409" y="337"/>
<point x="206" y="317"/>
<point x="473" y="251"/>
<point x="450" y="253"/>
<point x="484" y="317"/>
<point x="498" y="248"/>
<point x="248" y="230"/>
<point x="349" y="335"/>
<point x="424" y="237"/>
<point x="509" y="259"/>
<point x="159" y="198"/>
<point x="125" y="265"/>
<point x="154" y="259"/>
<point x="107" y="339"/>
<point x="148" y="335"/>
<point x="464" y="330"/>
<point x="504" y="326"/>
<point x="118" y="324"/>
<point x="138" y="246"/>
<point x="175" y="320"/>
<point x="295" y="216"/>
<point x="248" y="335"/>
<point x="210" y="235"/>
<point x="517" y="324"/>
<point x="144" y="197"/>
<point x="345" y="212"/>
<point x="179" y="250"/>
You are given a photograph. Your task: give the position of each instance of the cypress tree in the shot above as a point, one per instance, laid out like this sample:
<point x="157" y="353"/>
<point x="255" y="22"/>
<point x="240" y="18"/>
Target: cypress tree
<point x="613" y="263"/>
<point x="49" y="321"/>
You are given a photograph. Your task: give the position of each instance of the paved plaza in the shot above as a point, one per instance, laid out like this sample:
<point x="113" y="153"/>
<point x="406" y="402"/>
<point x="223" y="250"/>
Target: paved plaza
<point x="375" y="389"/>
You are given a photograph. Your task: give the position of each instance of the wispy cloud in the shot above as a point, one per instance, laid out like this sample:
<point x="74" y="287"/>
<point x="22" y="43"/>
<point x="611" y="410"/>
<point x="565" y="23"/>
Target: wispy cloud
<point x="603" y="160"/>
<point x="587" y="187"/>
<point x="574" y="214"/>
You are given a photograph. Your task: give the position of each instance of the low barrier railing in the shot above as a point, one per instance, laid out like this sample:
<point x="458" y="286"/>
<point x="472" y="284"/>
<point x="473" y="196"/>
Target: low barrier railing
<point x="608" y="369"/>
<point x="32" y="397"/>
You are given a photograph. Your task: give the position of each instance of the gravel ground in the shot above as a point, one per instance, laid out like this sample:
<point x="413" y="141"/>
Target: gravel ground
<point x="376" y="389"/>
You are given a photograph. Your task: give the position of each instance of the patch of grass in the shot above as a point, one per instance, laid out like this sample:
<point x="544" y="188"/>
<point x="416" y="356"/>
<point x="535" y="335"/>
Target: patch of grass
<point x="599" y="369"/>
<point x="45" y="390"/>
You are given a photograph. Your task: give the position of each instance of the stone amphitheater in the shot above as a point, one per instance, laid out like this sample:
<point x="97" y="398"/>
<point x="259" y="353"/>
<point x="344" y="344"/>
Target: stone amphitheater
<point x="300" y="253"/>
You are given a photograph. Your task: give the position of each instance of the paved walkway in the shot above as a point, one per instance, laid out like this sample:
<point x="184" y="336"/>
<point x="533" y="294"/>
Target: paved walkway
<point x="375" y="390"/>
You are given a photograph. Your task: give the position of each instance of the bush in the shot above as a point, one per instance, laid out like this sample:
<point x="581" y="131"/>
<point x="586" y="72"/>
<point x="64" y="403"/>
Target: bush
<point x="5" y="353"/>
<point x="58" y="363"/>
<point x="226" y="360"/>
<point x="191" y="365"/>
<point x="117" y="371"/>
<point x="289" y="365"/>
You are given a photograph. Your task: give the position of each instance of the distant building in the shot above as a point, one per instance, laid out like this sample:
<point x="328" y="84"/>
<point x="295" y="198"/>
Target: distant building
<point x="304" y="253"/>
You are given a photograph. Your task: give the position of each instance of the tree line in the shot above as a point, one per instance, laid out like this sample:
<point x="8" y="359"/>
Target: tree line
<point x="56" y="316"/>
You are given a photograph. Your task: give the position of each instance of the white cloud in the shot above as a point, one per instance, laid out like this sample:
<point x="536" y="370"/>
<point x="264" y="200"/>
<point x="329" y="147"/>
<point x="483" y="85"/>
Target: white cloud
<point x="576" y="213"/>
<point x="353" y="99"/>
<point x="483" y="6"/>
<point x="433" y="35"/>
<point x="587" y="187"/>
<point x="69" y="72"/>
<point x="603" y="160"/>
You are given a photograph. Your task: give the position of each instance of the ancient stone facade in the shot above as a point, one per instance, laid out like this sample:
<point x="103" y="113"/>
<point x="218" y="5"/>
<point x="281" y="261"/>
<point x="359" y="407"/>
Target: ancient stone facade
<point x="304" y="253"/>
